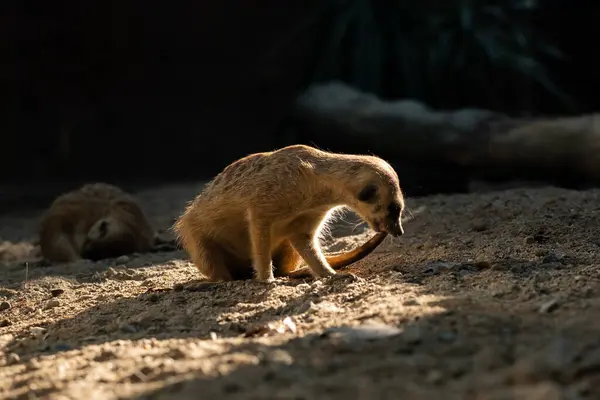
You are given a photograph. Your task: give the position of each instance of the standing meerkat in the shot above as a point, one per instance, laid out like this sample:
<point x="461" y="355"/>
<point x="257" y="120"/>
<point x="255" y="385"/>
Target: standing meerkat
<point x="96" y="221"/>
<point x="267" y="211"/>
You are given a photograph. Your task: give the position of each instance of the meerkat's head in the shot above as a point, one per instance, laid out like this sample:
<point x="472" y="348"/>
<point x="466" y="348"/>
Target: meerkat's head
<point x="118" y="233"/>
<point x="376" y="195"/>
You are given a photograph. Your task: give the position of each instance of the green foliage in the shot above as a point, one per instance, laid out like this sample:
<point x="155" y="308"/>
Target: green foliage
<point x="446" y="53"/>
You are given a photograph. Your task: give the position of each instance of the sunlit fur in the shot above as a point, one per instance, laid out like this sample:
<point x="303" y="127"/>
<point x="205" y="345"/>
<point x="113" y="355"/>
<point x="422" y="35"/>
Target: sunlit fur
<point x="271" y="210"/>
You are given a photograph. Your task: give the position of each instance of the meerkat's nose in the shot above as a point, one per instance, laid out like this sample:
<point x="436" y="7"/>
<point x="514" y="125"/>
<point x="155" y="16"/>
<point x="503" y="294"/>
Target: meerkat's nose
<point x="396" y="229"/>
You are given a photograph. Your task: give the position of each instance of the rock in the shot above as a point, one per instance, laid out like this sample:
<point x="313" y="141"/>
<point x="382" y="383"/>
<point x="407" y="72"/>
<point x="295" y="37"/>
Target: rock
<point x="436" y="267"/>
<point x="412" y="334"/>
<point x="122" y="260"/>
<point x="37" y="331"/>
<point x="366" y="332"/>
<point x="549" y="306"/>
<point x="51" y="304"/>
<point x="5" y="305"/>
<point x="56" y="292"/>
<point x="12" y="358"/>
<point x="127" y="328"/>
<point x="447" y="336"/>
<point x="411" y="302"/>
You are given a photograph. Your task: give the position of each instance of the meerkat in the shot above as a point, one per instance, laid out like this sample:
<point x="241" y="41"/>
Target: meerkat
<point x="267" y="211"/>
<point x="96" y="221"/>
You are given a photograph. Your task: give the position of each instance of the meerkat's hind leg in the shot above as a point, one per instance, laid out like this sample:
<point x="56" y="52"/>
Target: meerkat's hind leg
<point x="61" y="249"/>
<point x="210" y="259"/>
<point x="286" y="260"/>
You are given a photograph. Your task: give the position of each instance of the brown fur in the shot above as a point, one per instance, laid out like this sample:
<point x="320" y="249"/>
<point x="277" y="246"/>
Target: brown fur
<point x="95" y="221"/>
<point x="267" y="210"/>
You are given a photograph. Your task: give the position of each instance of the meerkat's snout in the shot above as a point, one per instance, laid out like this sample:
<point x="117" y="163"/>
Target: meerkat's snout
<point x="395" y="229"/>
<point x="393" y="223"/>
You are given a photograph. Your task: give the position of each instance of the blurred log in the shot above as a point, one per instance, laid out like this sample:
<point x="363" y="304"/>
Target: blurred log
<point x="481" y="141"/>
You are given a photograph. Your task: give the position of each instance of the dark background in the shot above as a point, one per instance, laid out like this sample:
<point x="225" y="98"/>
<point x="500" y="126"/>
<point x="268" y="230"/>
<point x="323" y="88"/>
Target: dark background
<point x="148" y="91"/>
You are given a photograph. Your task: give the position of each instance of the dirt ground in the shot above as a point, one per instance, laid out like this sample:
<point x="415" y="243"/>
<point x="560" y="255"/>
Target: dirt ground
<point x="487" y="296"/>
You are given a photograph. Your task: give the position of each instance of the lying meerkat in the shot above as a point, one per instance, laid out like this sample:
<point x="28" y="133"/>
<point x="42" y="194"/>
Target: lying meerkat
<point x="267" y="211"/>
<point x="95" y="221"/>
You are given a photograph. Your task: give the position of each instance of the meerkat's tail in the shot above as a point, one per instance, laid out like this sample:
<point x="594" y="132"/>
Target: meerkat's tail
<point x="340" y="261"/>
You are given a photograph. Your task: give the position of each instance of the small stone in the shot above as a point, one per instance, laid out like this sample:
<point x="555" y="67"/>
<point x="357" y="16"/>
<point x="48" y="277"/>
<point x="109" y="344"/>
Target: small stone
<point x="412" y="334"/>
<point x="550" y="258"/>
<point x="51" y="304"/>
<point x="483" y="265"/>
<point x="411" y="302"/>
<point x="366" y="332"/>
<point x="464" y="273"/>
<point x="127" y="328"/>
<point x="5" y="322"/>
<point x="529" y="240"/>
<point x="213" y="335"/>
<point x="447" y="336"/>
<point x="122" y="260"/>
<point x="62" y="347"/>
<point x="56" y="292"/>
<point x="549" y="306"/>
<point x="202" y="287"/>
<point x="435" y="267"/>
<point x="435" y="377"/>
<point x="37" y="331"/>
<point x="479" y="226"/>
<point x="5" y="305"/>
<point x="12" y="358"/>
<point x="280" y="357"/>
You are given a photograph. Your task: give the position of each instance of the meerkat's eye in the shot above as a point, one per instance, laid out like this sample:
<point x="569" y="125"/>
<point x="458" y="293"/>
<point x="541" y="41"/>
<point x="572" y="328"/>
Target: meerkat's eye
<point x="368" y="194"/>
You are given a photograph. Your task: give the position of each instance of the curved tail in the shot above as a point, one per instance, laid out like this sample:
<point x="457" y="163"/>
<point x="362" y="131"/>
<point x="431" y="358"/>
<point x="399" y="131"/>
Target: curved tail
<point x="342" y="260"/>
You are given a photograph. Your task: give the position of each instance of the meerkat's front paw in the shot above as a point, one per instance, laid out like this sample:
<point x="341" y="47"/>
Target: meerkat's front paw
<point x="265" y="278"/>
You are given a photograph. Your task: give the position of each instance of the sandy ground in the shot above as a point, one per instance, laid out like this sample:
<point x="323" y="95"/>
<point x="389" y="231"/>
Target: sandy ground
<point x="486" y="296"/>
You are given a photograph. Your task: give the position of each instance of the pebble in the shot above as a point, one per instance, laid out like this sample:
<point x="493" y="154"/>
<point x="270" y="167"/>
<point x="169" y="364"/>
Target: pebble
<point x="411" y="302"/>
<point x="480" y="226"/>
<point x="412" y="334"/>
<point x="127" y="328"/>
<point x="278" y="356"/>
<point x="12" y="358"/>
<point x="373" y="331"/>
<point x="5" y="305"/>
<point x="436" y="267"/>
<point x="122" y="260"/>
<point x="5" y="322"/>
<point x="56" y="292"/>
<point x="549" y="306"/>
<point x="62" y="347"/>
<point x="483" y="264"/>
<point x="435" y="377"/>
<point x="37" y="330"/>
<point x="51" y="304"/>
<point x="447" y="336"/>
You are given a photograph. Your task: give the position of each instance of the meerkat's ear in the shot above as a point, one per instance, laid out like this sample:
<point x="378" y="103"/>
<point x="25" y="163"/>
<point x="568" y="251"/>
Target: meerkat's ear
<point x="369" y="194"/>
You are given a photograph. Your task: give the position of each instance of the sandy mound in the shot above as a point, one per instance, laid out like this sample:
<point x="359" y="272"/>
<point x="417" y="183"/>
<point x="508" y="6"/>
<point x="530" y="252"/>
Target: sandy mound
<point x="487" y="296"/>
